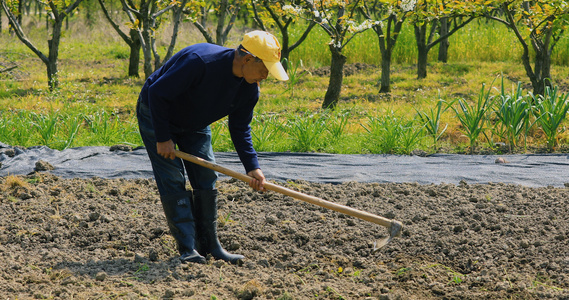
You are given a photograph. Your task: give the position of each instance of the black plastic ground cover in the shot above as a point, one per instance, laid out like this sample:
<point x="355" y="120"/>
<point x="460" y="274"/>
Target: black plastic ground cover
<point x="531" y="170"/>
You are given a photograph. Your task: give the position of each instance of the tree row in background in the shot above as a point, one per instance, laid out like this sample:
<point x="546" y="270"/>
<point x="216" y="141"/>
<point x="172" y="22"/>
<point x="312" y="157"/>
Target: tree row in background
<point x="538" y="26"/>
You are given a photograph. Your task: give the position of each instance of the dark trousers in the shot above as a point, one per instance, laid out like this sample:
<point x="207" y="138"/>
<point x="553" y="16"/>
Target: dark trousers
<point x="169" y="174"/>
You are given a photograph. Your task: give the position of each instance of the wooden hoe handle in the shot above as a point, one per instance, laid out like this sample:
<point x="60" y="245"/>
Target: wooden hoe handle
<point x="288" y="192"/>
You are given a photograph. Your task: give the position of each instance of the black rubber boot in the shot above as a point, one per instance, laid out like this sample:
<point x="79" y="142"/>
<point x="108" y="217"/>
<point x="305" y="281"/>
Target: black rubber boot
<point x="178" y="211"/>
<point x="205" y="208"/>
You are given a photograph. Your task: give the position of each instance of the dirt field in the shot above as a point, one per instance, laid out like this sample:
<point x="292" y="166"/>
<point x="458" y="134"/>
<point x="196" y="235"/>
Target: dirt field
<point x="108" y="239"/>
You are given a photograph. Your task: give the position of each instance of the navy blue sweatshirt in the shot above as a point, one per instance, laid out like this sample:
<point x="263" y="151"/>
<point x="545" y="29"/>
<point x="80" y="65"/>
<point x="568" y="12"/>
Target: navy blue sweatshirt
<point x="195" y="88"/>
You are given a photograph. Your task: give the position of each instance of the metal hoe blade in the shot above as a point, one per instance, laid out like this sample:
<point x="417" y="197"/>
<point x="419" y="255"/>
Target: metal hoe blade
<point x="394" y="231"/>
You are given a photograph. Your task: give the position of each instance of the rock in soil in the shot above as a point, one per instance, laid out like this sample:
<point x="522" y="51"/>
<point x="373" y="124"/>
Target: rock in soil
<point x="108" y="239"/>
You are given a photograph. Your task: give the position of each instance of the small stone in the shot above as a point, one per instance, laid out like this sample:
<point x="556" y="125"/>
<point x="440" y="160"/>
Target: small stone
<point x="502" y="286"/>
<point x="42" y="165"/>
<point x="138" y="258"/>
<point x="25" y="196"/>
<point x="121" y="147"/>
<point x="419" y="152"/>
<point x="169" y="294"/>
<point x="153" y="255"/>
<point x="94" y="216"/>
<point x="501" y="160"/>
<point x="10" y="152"/>
<point x="271" y="220"/>
<point x="101" y="276"/>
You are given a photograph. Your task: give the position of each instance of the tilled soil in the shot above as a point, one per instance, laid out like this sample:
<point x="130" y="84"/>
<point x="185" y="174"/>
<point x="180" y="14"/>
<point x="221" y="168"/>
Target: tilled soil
<point x="108" y="239"/>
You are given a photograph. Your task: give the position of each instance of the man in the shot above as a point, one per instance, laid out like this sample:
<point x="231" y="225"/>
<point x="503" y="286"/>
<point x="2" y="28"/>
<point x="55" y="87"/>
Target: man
<point x="198" y="86"/>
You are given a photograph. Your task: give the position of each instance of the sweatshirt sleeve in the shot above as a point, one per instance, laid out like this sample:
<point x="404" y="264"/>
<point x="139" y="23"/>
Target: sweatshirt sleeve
<point x="240" y="130"/>
<point x="175" y="80"/>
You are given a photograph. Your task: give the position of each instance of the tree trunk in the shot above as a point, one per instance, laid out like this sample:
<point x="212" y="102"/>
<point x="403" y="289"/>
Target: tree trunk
<point x="20" y="15"/>
<point x="385" y="72"/>
<point x="220" y="38"/>
<point x="146" y="43"/>
<point x="541" y="77"/>
<point x="1" y="23"/>
<point x="52" y="76"/>
<point x="444" y="44"/>
<point x="422" y="50"/>
<point x="285" y="48"/>
<point x="134" y="57"/>
<point x="147" y="62"/>
<point x="336" y="78"/>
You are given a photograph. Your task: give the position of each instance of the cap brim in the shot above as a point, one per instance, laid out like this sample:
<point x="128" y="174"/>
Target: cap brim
<point x="276" y="70"/>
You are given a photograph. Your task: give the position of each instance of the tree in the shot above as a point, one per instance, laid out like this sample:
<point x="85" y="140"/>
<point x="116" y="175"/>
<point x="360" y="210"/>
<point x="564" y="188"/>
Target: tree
<point x="426" y="18"/>
<point x="540" y="23"/>
<point x="144" y="18"/>
<point x="132" y="40"/>
<point x="281" y="14"/>
<point x="392" y="13"/>
<point x="1" y="23"/>
<point x="225" y="11"/>
<point x="57" y="12"/>
<point x="338" y="19"/>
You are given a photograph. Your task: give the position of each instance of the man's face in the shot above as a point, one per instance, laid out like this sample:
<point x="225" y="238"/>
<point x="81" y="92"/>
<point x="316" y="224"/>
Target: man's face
<point x="254" y="70"/>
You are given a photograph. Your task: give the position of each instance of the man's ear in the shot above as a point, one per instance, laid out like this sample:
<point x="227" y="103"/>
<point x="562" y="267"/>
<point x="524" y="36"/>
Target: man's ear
<point x="249" y="58"/>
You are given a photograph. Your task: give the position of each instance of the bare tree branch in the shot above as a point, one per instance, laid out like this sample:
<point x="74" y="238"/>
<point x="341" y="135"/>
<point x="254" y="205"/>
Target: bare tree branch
<point x="20" y="33"/>
<point x="8" y="69"/>
<point x="123" y="35"/>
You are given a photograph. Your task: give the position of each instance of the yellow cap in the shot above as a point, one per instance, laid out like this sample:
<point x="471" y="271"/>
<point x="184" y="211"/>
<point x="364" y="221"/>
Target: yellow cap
<point x="266" y="47"/>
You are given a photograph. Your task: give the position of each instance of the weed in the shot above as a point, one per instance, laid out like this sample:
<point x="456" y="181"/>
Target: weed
<point x="473" y="117"/>
<point x="104" y="126"/>
<point x="265" y="130"/>
<point x="334" y="292"/>
<point x="513" y="113"/>
<point x="402" y="271"/>
<point x="544" y="282"/>
<point x="250" y="290"/>
<point x="217" y="131"/>
<point x="306" y="132"/>
<point x="392" y="134"/>
<point x="73" y="124"/>
<point x="13" y="181"/>
<point x="357" y="273"/>
<point x="455" y="277"/>
<point x="308" y="268"/>
<point x="142" y="268"/>
<point x="224" y="220"/>
<point x="337" y="123"/>
<point x="293" y="75"/>
<point x="46" y="125"/>
<point x="285" y="296"/>
<point x="550" y="110"/>
<point x="34" y="180"/>
<point x="432" y="119"/>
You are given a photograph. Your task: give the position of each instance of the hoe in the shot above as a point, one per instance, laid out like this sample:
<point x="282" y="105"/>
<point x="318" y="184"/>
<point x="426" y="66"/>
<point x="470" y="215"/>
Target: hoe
<point x="394" y="227"/>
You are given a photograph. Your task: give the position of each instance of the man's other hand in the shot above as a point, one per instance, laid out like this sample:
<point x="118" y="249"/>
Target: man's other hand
<point x="258" y="181"/>
<point x="166" y="149"/>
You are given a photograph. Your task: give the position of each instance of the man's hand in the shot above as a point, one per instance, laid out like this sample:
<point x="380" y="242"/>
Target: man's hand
<point x="258" y="181"/>
<point x="166" y="149"/>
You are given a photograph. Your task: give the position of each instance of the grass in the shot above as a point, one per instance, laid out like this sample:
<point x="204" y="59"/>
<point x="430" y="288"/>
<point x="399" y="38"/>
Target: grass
<point x="95" y="104"/>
